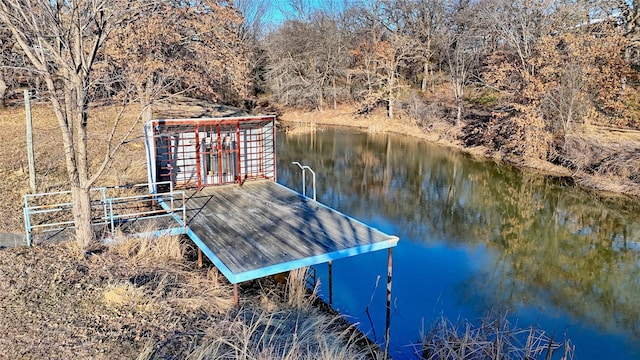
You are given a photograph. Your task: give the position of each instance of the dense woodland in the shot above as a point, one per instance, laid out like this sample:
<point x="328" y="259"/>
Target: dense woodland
<point x="530" y="79"/>
<point x="525" y="78"/>
<point x="522" y="75"/>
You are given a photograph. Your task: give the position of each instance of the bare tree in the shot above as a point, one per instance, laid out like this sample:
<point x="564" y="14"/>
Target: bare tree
<point x="253" y="12"/>
<point x="62" y="40"/>
<point x="382" y="52"/>
<point x="630" y="11"/>
<point x="6" y="53"/>
<point x="308" y="61"/>
<point x="192" y="48"/>
<point x="566" y="103"/>
<point x="461" y="46"/>
<point x="13" y="72"/>
<point x="421" y="20"/>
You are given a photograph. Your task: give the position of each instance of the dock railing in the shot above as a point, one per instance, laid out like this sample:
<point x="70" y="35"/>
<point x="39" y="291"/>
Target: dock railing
<point x="110" y="207"/>
<point x="304" y="169"/>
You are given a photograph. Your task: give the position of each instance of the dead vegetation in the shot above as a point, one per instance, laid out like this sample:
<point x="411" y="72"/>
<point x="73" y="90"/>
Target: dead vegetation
<point x="492" y="337"/>
<point x="127" y="167"/>
<point x="605" y="159"/>
<point x="599" y="158"/>
<point x="146" y="299"/>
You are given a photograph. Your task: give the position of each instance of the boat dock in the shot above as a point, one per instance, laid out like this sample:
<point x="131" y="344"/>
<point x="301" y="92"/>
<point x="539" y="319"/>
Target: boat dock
<point x="215" y="180"/>
<point x="263" y="228"/>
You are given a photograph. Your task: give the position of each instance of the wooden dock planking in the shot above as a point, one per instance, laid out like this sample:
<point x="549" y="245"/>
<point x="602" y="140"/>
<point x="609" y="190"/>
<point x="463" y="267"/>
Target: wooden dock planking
<point x="262" y="228"/>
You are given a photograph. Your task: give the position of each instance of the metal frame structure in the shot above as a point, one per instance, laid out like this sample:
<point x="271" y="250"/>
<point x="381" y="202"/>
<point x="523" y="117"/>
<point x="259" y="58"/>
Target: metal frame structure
<point x="52" y="211"/>
<point x="194" y="153"/>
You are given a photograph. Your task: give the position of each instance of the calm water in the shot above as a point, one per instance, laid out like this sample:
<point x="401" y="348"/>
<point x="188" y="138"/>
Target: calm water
<point x="475" y="236"/>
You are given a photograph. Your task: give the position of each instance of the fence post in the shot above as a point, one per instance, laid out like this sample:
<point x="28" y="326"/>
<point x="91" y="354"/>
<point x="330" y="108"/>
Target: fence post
<point x="30" y="152"/>
<point x="27" y="220"/>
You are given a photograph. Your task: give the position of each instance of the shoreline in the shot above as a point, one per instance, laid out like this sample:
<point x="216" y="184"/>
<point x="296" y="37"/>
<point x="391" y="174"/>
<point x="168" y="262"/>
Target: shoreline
<point x="442" y="133"/>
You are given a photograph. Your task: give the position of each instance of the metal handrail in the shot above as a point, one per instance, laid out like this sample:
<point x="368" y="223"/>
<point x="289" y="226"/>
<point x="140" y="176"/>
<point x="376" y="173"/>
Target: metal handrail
<point x="304" y="168"/>
<point x="110" y="214"/>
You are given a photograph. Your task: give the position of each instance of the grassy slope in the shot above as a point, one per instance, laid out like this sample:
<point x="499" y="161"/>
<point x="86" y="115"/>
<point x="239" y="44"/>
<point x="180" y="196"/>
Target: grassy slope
<point x="146" y="299"/>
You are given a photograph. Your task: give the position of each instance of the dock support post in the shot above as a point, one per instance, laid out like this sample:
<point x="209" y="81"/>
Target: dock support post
<point x="199" y="258"/>
<point x="388" y="322"/>
<point x="236" y="297"/>
<point x="330" y="283"/>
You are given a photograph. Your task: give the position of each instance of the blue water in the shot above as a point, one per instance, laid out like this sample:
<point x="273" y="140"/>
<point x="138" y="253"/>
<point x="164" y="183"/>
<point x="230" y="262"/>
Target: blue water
<point x="475" y="237"/>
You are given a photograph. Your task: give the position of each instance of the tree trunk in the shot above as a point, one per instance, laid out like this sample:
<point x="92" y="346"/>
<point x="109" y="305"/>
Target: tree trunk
<point x="335" y="93"/>
<point x="145" y="94"/>
<point x="425" y="76"/>
<point x="320" y="101"/>
<point x="82" y="215"/>
<point x="147" y="113"/>
<point x="433" y="80"/>
<point x="3" y="90"/>
<point x="458" y="93"/>
<point x="391" y="84"/>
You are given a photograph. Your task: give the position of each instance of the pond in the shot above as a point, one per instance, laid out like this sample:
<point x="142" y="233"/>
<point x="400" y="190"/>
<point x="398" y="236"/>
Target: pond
<point x="474" y="237"/>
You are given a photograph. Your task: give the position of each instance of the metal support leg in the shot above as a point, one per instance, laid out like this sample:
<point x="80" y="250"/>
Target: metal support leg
<point x="236" y="297"/>
<point x="388" y="322"/>
<point x="199" y="258"/>
<point x="330" y="283"/>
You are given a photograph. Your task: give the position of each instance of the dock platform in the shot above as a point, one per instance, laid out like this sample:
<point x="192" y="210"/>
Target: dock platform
<point x="263" y="228"/>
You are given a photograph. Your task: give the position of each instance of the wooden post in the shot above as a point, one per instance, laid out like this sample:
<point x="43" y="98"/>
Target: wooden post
<point x="198" y="161"/>
<point x="236" y="297"/>
<point x="30" y="152"/>
<point x="199" y="258"/>
<point x="238" y="157"/>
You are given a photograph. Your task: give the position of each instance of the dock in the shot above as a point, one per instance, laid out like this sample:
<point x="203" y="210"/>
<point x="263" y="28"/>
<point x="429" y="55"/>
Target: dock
<point x="263" y="228"/>
<point x="215" y="181"/>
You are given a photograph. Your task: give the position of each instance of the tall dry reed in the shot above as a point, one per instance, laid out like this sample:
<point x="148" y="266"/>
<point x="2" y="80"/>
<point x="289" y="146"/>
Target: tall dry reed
<point x="492" y="337"/>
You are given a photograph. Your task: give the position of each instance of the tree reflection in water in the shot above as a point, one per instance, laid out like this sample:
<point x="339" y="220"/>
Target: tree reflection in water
<point x="556" y="245"/>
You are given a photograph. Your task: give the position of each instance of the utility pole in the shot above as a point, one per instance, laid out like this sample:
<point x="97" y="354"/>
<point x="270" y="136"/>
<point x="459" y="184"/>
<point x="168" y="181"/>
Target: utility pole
<point x="32" y="162"/>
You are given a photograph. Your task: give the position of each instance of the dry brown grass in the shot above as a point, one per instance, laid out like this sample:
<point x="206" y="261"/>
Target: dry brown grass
<point x="138" y="298"/>
<point x="286" y="335"/>
<point x="58" y="302"/>
<point x="440" y="131"/>
<point x="605" y="159"/>
<point x="146" y="299"/>
<point x="127" y="167"/>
